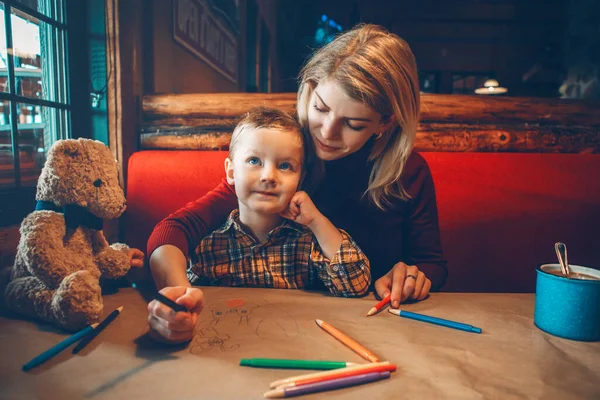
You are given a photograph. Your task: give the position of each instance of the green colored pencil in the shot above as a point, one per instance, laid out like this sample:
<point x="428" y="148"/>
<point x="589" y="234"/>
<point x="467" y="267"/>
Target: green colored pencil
<point x="293" y="364"/>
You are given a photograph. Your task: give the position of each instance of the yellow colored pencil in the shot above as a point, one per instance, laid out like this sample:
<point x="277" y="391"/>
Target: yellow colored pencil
<point x="352" y="344"/>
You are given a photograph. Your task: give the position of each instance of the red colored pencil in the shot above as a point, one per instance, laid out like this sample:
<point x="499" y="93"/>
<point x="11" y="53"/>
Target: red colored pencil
<point x="379" y="305"/>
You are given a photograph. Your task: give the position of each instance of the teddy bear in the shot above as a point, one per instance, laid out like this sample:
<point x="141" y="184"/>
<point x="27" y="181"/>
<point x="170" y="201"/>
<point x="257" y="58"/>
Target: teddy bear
<point x="62" y="253"/>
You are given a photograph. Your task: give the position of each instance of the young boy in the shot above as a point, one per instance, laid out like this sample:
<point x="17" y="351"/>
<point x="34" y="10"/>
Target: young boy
<point x="257" y="247"/>
<point x="276" y="238"/>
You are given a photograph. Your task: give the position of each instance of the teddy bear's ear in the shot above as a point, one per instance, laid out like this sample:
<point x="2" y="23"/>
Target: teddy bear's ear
<point x="69" y="147"/>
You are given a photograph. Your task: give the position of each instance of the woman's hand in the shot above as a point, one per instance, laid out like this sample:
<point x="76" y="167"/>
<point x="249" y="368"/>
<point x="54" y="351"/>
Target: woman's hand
<point x="168" y="326"/>
<point x="404" y="282"/>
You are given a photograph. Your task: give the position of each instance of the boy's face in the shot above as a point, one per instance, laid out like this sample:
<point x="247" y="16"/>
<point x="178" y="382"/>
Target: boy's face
<point x="266" y="169"/>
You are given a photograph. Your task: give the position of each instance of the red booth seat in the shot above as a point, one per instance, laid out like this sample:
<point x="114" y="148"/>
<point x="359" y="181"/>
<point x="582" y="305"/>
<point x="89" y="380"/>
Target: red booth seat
<point x="500" y="213"/>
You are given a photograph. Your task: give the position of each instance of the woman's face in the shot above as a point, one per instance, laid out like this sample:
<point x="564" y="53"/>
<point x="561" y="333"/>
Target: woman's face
<point x="339" y="125"/>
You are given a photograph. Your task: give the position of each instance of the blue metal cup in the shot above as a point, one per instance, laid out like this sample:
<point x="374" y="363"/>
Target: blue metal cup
<point x="567" y="307"/>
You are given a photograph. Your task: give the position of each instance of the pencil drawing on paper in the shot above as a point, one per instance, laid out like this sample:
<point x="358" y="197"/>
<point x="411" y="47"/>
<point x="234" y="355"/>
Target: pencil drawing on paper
<point x="225" y="321"/>
<point x="207" y="338"/>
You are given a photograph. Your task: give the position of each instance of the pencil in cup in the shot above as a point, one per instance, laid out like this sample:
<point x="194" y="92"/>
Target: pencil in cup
<point x="58" y="348"/>
<point x="315" y="377"/>
<point x="351" y="343"/>
<point x="380" y="305"/>
<point x="326" y="385"/>
<point x="103" y="324"/>
<point x="437" y="321"/>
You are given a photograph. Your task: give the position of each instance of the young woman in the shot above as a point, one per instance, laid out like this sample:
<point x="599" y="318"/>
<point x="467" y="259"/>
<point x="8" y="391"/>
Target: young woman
<point x="359" y="99"/>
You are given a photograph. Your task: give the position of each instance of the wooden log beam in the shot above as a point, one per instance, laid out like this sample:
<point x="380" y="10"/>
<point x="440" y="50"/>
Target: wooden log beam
<point x="431" y="137"/>
<point x="434" y="107"/>
<point x="506" y="138"/>
<point x="212" y="105"/>
<point x="525" y="111"/>
<point x="448" y="122"/>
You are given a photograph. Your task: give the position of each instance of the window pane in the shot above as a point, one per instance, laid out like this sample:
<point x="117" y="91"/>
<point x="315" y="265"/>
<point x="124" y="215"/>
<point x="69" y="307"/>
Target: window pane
<point x="39" y="127"/>
<point x="50" y="8"/>
<point x="3" y="60"/>
<point x="467" y="83"/>
<point x="428" y="82"/>
<point x="7" y="170"/>
<point x="38" y="58"/>
<point x="31" y="138"/>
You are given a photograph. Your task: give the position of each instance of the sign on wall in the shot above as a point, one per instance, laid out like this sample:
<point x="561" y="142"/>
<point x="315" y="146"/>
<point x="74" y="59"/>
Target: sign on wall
<point x="196" y="28"/>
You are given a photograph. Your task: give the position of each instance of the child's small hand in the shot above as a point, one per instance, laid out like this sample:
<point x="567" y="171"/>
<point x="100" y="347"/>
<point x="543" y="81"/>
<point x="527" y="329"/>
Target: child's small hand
<point x="136" y="258"/>
<point x="301" y="209"/>
<point x="173" y="327"/>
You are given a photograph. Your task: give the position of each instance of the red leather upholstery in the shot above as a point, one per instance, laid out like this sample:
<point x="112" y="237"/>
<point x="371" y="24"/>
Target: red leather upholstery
<point x="500" y="213"/>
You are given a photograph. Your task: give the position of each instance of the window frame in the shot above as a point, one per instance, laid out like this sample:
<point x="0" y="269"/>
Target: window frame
<point x="17" y="201"/>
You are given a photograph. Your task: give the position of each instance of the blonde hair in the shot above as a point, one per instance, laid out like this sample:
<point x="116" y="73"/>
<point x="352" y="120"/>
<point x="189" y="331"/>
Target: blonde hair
<point x="376" y="68"/>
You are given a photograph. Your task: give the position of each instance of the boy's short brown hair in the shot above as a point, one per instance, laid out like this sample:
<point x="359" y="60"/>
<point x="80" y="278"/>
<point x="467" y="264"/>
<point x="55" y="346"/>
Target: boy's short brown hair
<point x="265" y="117"/>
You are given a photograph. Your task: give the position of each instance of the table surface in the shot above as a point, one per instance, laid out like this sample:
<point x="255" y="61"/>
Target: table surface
<point x="510" y="359"/>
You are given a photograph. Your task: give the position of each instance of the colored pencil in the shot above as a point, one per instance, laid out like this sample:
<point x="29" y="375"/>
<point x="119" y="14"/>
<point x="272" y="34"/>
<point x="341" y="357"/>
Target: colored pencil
<point x="163" y="299"/>
<point x="326" y="385"/>
<point x="168" y="302"/>
<point x="380" y="305"/>
<point x="340" y="373"/>
<point x="437" y="321"/>
<point x="293" y="364"/>
<point x="314" y="377"/>
<point x="351" y="343"/>
<point x="86" y="340"/>
<point x="56" y="349"/>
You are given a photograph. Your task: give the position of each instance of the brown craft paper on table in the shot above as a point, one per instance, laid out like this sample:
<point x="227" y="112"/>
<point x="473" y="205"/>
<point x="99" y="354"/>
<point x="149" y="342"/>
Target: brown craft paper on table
<point x="510" y="359"/>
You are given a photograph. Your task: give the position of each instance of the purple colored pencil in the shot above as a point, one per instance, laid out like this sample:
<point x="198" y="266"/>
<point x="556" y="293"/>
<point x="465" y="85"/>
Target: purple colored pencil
<point x="326" y="385"/>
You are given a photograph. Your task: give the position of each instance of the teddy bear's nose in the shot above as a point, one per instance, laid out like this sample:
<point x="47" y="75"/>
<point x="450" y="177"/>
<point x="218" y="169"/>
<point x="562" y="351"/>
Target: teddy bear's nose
<point x="98" y="182"/>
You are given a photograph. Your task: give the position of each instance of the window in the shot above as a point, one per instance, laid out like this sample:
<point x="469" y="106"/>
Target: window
<point x="428" y="82"/>
<point x="34" y="101"/>
<point x="326" y="31"/>
<point x="35" y="106"/>
<point x="466" y="83"/>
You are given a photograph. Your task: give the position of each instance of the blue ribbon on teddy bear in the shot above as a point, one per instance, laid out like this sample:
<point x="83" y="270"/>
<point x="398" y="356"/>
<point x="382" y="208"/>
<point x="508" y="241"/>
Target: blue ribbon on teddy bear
<point x="75" y="215"/>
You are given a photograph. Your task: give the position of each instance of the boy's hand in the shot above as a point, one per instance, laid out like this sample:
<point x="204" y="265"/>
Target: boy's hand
<point x="301" y="209"/>
<point x="136" y="258"/>
<point x="173" y="327"/>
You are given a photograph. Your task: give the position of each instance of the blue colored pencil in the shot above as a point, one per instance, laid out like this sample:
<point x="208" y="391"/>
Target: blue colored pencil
<point x="326" y="385"/>
<point x="437" y="321"/>
<point x="56" y="349"/>
<point x="86" y="340"/>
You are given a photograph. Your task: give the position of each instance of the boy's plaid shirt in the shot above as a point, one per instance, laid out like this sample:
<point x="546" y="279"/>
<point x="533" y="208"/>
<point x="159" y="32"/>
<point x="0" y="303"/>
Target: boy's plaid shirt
<point x="291" y="258"/>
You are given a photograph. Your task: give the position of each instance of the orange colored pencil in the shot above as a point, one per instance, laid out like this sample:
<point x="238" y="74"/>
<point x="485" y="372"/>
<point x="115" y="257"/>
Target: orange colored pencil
<point x="333" y="374"/>
<point x="352" y="344"/>
<point x="379" y="305"/>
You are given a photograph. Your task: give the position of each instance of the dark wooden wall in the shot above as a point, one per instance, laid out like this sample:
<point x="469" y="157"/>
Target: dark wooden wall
<point x="448" y="122"/>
